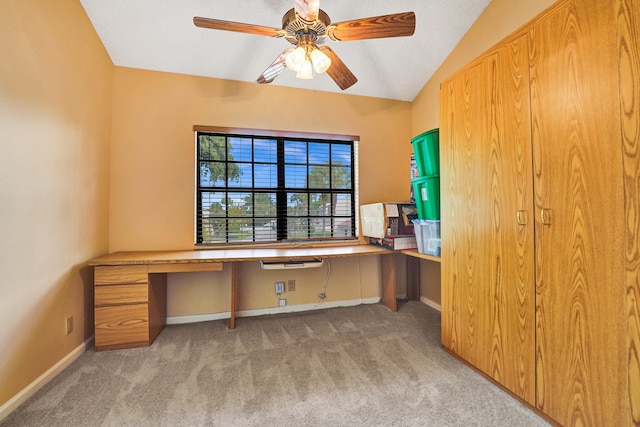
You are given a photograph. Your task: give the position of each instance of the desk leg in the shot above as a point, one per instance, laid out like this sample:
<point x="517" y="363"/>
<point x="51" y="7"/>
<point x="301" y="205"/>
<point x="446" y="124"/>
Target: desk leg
<point x="234" y="285"/>
<point x="413" y="278"/>
<point x="388" y="278"/>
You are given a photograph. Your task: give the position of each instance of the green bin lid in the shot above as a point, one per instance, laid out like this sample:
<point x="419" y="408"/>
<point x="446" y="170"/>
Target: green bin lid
<point x="424" y="134"/>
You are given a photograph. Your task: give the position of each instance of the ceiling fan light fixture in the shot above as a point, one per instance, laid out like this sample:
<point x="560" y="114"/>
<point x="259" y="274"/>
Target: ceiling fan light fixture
<point x="321" y="62"/>
<point x="295" y="60"/>
<point x="306" y="72"/>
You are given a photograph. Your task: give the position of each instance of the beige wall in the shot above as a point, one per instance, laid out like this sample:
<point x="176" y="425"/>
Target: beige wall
<point x="55" y="113"/>
<point x="152" y="179"/>
<point x="499" y="19"/>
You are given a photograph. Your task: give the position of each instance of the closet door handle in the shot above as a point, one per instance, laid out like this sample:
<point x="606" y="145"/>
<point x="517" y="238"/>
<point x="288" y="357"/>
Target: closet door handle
<point x="545" y="216"/>
<point x="521" y="217"/>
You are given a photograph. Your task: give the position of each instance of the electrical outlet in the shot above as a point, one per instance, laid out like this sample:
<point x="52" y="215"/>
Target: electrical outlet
<point x="69" y="325"/>
<point x="279" y="288"/>
<point x="291" y="285"/>
<point x="282" y="302"/>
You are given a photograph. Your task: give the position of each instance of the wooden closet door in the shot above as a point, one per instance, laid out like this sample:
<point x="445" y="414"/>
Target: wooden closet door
<point x="581" y="364"/>
<point x="461" y="131"/>
<point x="628" y="33"/>
<point x="487" y="261"/>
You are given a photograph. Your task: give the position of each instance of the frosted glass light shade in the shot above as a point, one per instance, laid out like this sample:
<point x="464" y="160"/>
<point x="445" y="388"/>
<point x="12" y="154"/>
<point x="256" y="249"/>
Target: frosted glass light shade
<point x="321" y="62"/>
<point x="306" y="72"/>
<point x="296" y="59"/>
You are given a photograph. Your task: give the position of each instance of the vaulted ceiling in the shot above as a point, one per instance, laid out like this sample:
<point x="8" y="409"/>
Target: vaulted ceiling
<point x="160" y="35"/>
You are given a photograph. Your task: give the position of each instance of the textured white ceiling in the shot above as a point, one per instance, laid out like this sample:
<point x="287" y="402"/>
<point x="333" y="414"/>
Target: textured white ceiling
<point x="160" y="35"/>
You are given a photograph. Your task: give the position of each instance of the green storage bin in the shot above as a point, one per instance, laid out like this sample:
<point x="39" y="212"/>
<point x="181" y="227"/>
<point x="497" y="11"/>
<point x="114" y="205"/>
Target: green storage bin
<point x="426" y="147"/>
<point x="427" y="192"/>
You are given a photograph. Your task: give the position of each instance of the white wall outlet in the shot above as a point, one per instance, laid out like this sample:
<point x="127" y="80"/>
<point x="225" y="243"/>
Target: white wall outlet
<point x="282" y="302"/>
<point x="279" y="288"/>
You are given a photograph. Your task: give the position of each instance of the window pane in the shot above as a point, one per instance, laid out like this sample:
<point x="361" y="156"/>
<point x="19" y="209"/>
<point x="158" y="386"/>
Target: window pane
<point x="264" y="204"/>
<point x="341" y="154"/>
<point x="213" y="214"/>
<point x="239" y="205"/>
<point x="319" y="177"/>
<point x="298" y="228"/>
<point x="265" y="150"/>
<point x="240" y="230"/>
<point x="244" y="177"/>
<point x="343" y="205"/>
<point x="266" y="176"/>
<point x="240" y="149"/>
<point x="320" y="204"/>
<point x="295" y="152"/>
<point x="297" y="204"/>
<point x="212" y="174"/>
<point x="319" y="153"/>
<point x="342" y="227"/>
<point x="321" y="227"/>
<point x="341" y="177"/>
<point x="212" y="147"/>
<point x="266" y="231"/>
<point x="295" y="176"/>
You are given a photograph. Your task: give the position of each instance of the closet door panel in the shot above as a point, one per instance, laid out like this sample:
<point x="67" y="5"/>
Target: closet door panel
<point x="463" y="325"/>
<point x="580" y="366"/>
<point x="507" y="230"/>
<point x="487" y="262"/>
<point x="628" y="32"/>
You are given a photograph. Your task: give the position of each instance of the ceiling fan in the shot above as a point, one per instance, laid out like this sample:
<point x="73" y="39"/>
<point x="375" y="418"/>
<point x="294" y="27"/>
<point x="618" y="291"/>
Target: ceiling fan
<point x="306" y="26"/>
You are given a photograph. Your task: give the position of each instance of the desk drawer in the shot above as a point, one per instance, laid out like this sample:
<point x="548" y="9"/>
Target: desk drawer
<point x="112" y="275"/>
<point x="122" y="324"/>
<point x="121" y="294"/>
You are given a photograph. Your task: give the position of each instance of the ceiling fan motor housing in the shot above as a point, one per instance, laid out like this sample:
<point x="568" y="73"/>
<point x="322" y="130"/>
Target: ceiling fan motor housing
<point x="297" y="29"/>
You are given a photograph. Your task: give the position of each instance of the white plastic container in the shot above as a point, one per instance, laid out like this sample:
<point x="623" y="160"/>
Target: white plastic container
<point x="427" y="236"/>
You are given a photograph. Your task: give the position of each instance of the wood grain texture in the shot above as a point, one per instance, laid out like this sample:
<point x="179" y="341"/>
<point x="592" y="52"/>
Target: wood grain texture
<point x="580" y="359"/>
<point x="508" y="247"/>
<point x="388" y="279"/>
<point x="628" y="48"/>
<point x="157" y="305"/>
<point x="212" y="256"/>
<point x="185" y="268"/>
<point x="394" y="25"/>
<point x="218" y="24"/>
<point x="121" y="294"/>
<point x="488" y="287"/>
<point x="338" y="71"/>
<point x="461" y="135"/>
<point x="126" y="325"/>
<point x="111" y="275"/>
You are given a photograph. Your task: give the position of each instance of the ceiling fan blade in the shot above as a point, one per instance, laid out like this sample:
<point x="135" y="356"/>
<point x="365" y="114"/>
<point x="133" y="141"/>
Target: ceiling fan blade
<point x="396" y="25"/>
<point x="307" y="9"/>
<point x="217" y="24"/>
<point x="339" y="72"/>
<point x="274" y="69"/>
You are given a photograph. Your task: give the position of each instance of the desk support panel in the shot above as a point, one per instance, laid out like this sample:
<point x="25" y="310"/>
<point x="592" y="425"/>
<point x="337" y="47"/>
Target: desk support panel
<point x="388" y="278"/>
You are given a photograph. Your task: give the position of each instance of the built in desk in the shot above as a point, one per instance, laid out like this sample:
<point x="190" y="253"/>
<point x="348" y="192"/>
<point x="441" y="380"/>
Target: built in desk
<point x="130" y="300"/>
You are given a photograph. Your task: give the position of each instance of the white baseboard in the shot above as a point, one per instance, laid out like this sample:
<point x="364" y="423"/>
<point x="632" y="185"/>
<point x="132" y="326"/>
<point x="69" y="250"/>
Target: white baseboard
<point x="431" y="304"/>
<point x="177" y="320"/>
<point x="43" y="379"/>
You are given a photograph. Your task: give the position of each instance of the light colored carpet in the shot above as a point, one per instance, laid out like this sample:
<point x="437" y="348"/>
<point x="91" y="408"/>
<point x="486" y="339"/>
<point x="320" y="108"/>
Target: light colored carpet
<point x="355" y="366"/>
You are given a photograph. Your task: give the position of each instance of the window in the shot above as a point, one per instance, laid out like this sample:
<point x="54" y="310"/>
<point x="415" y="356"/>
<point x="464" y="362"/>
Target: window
<point x="273" y="189"/>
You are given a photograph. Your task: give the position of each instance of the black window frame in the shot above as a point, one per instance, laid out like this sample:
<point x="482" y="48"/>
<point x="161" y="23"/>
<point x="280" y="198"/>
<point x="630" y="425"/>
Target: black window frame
<point x="282" y="217"/>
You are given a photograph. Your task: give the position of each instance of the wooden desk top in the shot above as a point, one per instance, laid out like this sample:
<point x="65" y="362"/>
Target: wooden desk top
<point x="198" y="256"/>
